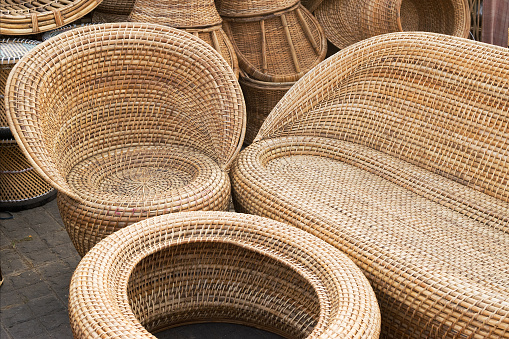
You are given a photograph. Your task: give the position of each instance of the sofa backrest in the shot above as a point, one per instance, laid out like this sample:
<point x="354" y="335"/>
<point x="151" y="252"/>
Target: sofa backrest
<point x="436" y="101"/>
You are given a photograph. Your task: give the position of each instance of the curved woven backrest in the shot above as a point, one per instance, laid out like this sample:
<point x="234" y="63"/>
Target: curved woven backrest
<point x="18" y="17"/>
<point x="250" y="8"/>
<point x="176" y="13"/>
<point x="122" y="7"/>
<point x="104" y="87"/>
<point x="196" y="267"/>
<point x="348" y="21"/>
<point x="437" y="101"/>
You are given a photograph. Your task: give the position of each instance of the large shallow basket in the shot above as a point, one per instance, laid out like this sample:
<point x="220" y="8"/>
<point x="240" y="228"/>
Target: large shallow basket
<point x="278" y="47"/>
<point x="20" y="17"/>
<point x="122" y="7"/>
<point x="127" y="121"/>
<point x="252" y="8"/>
<point x="21" y="186"/>
<point x="348" y="21"/>
<point x="216" y="266"/>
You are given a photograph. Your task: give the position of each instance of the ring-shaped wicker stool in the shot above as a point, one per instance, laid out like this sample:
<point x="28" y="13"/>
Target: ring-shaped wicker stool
<point x="127" y="121"/>
<point x="196" y="267"/>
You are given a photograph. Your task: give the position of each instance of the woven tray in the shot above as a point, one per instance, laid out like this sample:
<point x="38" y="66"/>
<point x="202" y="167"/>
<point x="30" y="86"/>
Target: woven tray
<point x="18" y="17"/>
<point x="176" y="13"/>
<point x="261" y="97"/>
<point x="348" y="21"/>
<point x="21" y="186"/>
<point x="251" y="8"/>
<point x="122" y="7"/>
<point x="280" y="47"/>
<point x="63" y="29"/>
<point x="198" y="267"/>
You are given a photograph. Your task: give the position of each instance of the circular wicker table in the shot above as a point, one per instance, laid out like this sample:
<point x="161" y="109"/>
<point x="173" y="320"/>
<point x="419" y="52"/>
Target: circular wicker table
<point x="196" y="267"/>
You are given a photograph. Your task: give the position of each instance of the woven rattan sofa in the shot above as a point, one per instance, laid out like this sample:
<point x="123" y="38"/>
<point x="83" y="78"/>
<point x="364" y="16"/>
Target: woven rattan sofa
<point x="396" y="151"/>
<point x="127" y="121"/>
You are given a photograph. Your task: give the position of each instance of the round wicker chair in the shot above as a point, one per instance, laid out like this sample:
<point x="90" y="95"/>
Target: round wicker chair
<point x="349" y="21"/>
<point x="31" y="16"/>
<point x="196" y="267"/>
<point x="396" y="151"/>
<point x="127" y="121"/>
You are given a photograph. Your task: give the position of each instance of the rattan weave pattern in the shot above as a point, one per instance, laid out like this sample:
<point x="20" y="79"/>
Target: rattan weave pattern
<point x="252" y="8"/>
<point x="396" y="151"/>
<point x="218" y="266"/>
<point x="99" y="17"/>
<point x="311" y="5"/>
<point x="158" y="93"/>
<point x="19" y="17"/>
<point x="122" y="7"/>
<point x="62" y="29"/>
<point x="348" y="21"/>
<point x="280" y="47"/>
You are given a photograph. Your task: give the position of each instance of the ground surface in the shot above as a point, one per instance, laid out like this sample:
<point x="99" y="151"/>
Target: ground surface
<point x="37" y="261"/>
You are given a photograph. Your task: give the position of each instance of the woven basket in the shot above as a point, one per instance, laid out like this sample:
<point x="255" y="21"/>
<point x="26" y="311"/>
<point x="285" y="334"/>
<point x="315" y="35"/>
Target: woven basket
<point x="311" y="5"/>
<point x="20" y="17"/>
<point x="21" y="186"/>
<point x="151" y="128"/>
<point x="176" y="13"/>
<point x="251" y="8"/>
<point x="348" y="21"/>
<point x="396" y="151"/>
<point x="217" y="266"/>
<point x="121" y="7"/>
<point x="280" y="47"/>
<point x="261" y="97"/>
<point x="55" y="32"/>
<point x="103" y="18"/>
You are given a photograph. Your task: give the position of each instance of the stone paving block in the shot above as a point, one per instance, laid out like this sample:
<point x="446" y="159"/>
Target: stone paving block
<point x="57" y="238"/>
<point x="32" y="329"/>
<point x="4" y="334"/>
<point x="23" y="279"/>
<point x="36" y="215"/>
<point x="46" y="305"/>
<point x="56" y="319"/>
<point x="37" y="290"/>
<point x="12" y="262"/>
<point x="9" y="297"/>
<point x="15" y="315"/>
<point x="62" y="331"/>
<point x="5" y="240"/>
<point x="67" y="250"/>
<point x="47" y="228"/>
<point x="16" y="228"/>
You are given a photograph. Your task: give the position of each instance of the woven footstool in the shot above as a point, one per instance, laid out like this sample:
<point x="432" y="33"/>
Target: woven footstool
<point x="196" y="267"/>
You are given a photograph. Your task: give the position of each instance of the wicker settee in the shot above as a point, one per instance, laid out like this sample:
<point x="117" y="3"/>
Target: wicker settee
<point x="396" y="151"/>
<point x="127" y="121"/>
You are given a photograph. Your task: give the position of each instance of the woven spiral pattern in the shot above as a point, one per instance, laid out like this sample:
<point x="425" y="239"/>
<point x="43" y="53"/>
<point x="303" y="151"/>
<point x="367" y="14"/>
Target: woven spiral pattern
<point x="349" y="21"/>
<point x="110" y="113"/>
<point x="18" y="17"/>
<point x="122" y="7"/>
<point x="102" y="17"/>
<point x="280" y="47"/>
<point x="251" y="8"/>
<point x="395" y="150"/>
<point x="218" y="266"/>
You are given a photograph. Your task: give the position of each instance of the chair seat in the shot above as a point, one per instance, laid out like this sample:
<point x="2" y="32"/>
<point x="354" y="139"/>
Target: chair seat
<point x="132" y="183"/>
<point x="432" y="248"/>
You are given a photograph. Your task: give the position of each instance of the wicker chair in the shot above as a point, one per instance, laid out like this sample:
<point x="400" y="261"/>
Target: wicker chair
<point x="127" y="121"/>
<point x="218" y="266"/>
<point x="396" y="151"/>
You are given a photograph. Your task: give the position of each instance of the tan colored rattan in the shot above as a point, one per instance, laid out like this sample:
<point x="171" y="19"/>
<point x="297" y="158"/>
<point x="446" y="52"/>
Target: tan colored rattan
<point x="110" y="115"/>
<point x="218" y="266"/>
<point x="395" y="150"/>
<point x="348" y="21"/>
<point x="63" y="29"/>
<point x="19" y="17"/>
<point x="311" y="5"/>
<point x="19" y="182"/>
<point x="280" y="47"/>
<point x="122" y="7"/>
<point x="261" y="97"/>
<point x="102" y="17"/>
<point x="176" y="13"/>
<point x="251" y="8"/>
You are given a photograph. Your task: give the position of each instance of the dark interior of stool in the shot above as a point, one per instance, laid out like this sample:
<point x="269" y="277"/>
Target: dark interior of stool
<point x="221" y="282"/>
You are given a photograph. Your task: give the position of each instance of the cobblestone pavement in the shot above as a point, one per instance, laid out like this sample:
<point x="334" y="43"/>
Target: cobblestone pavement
<point x="37" y="261"/>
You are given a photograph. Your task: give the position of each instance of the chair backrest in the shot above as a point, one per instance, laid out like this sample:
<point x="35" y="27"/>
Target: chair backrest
<point x="437" y="101"/>
<point x="104" y="87"/>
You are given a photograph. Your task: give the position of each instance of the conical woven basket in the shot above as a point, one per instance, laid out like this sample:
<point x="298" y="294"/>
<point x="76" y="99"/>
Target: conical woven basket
<point x="122" y="7"/>
<point x="18" y="17"/>
<point x="261" y="97"/>
<point x="250" y="8"/>
<point x="279" y="47"/>
<point x="348" y="21"/>
<point x="21" y="186"/>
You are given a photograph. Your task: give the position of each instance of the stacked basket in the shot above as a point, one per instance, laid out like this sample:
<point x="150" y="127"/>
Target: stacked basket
<point x="276" y="42"/>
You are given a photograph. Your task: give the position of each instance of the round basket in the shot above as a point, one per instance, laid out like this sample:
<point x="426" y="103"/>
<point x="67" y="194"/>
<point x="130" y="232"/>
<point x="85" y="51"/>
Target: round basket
<point x="20" y="17"/>
<point x="122" y="7"/>
<point x="250" y="8"/>
<point x="102" y="17"/>
<point x="176" y="13"/>
<point x="63" y="29"/>
<point x="198" y="267"/>
<point x="311" y="5"/>
<point x="349" y="21"/>
<point x="261" y="97"/>
<point x="279" y="47"/>
<point x="21" y="186"/>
